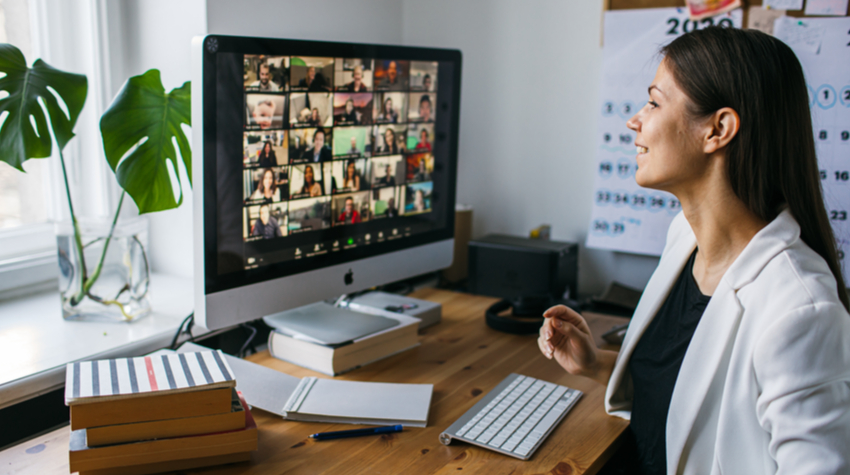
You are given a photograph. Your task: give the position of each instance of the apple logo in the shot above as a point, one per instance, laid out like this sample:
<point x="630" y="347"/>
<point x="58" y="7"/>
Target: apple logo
<point x="349" y="277"/>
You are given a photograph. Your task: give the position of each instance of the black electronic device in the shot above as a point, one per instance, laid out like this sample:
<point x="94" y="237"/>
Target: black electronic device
<point x="531" y="275"/>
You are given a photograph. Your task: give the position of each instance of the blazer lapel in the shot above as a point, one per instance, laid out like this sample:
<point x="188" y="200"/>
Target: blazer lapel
<point x="617" y="401"/>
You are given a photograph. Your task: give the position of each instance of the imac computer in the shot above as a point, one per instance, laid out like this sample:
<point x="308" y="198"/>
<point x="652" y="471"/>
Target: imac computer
<point x="321" y="169"/>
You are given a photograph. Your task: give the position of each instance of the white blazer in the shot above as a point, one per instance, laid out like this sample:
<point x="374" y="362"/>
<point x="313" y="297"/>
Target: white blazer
<point x="765" y="383"/>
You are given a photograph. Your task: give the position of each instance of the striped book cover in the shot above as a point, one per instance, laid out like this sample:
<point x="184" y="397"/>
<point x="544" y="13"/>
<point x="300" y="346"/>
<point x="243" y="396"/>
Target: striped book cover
<point x="103" y="380"/>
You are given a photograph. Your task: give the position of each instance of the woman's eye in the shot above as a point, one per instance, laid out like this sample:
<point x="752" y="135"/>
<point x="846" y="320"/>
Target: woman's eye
<point x="652" y="104"/>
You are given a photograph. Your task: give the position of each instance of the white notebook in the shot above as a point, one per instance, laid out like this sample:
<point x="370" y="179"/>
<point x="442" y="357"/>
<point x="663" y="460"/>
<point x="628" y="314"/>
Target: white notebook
<point x="328" y="400"/>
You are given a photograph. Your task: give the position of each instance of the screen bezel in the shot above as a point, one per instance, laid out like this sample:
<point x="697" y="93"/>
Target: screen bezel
<point x="214" y="282"/>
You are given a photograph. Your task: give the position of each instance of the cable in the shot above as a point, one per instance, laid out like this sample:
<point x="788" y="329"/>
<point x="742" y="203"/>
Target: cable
<point x="242" y="350"/>
<point x="188" y="322"/>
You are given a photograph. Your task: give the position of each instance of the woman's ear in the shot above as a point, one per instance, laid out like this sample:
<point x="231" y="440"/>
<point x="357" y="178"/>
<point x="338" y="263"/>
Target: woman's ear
<point x="723" y="127"/>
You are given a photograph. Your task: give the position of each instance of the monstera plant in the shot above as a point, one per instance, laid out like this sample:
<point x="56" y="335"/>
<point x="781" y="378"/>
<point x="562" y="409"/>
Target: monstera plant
<point x="139" y="131"/>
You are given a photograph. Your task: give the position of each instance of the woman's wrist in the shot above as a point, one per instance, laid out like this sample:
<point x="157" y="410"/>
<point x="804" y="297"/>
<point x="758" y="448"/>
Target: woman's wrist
<point x="601" y="370"/>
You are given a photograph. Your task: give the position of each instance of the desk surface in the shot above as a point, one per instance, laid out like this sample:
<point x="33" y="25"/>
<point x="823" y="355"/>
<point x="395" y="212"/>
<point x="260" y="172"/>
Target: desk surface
<point x="463" y="359"/>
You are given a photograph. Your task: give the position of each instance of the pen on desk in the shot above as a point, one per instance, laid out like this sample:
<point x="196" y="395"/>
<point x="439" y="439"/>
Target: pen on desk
<point x="356" y="432"/>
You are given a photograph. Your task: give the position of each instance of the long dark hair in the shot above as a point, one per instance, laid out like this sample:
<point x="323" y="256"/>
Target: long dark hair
<point x="771" y="162"/>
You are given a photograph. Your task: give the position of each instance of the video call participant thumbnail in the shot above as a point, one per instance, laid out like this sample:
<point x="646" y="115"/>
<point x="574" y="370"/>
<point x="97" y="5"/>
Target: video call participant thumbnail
<point x="352" y="109"/>
<point x="266" y="221"/>
<point x="353" y="75"/>
<point x="306" y="181"/>
<point x="391" y="75"/>
<point x="350" y="175"/>
<point x="390" y="139"/>
<point x="417" y="197"/>
<point x="423" y="76"/>
<point x="263" y="185"/>
<point x="310" y="110"/>
<point x="266" y="73"/>
<point x="387" y="171"/>
<point x="265" y="149"/>
<point x="390" y="107"/>
<point x="309" y="214"/>
<point x="421" y="107"/>
<point x="264" y="111"/>
<point x="310" y="145"/>
<point x="419" y="167"/>
<point x="420" y="137"/>
<point x="352" y="142"/>
<point x="351" y="208"/>
<point x="385" y="202"/>
<point x="311" y="74"/>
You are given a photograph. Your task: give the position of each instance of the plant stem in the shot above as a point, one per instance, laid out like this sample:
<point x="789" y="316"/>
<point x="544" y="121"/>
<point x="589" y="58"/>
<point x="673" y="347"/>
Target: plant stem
<point x="89" y="282"/>
<point x="78" y="239"/>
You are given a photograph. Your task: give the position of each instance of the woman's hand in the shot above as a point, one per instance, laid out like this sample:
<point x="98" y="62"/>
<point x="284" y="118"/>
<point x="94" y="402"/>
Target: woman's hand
<point x="566" y="337"/>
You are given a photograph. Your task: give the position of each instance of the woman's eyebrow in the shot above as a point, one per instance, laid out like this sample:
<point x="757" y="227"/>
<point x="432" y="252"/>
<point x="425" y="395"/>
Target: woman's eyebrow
<point x="650" y="88"/>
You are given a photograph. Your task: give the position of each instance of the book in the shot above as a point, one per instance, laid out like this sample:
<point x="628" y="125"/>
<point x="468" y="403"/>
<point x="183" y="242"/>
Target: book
<point x="353" y="402"/>
<point x="172" y="465"/>
<point x="85" y="459"/>
<point x="148" y="388"/>
<point x="335" y="360"/>
<point x="168" y="428"/>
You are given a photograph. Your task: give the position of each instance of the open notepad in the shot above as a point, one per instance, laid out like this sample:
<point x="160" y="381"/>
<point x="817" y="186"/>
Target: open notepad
<point x="329" y="400"/>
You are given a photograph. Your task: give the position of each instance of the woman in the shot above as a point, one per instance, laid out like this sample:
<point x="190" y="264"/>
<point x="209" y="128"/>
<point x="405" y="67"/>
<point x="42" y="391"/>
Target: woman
<point x="352" y="179"/>
<point x="388" y="115"/>
<point x="267" y="190"/>
<point x="390" y="146"/>
<point x="736" y="359"/>
<point x="310" y="188"/>
<point x="419" y="201"/>
<point x="350" y="116"/>
<point x="314" y="121"/>
<point x="267" y="157"/>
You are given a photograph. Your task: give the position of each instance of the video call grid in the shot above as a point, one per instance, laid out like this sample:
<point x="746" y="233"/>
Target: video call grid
<point x="360" y="113"/>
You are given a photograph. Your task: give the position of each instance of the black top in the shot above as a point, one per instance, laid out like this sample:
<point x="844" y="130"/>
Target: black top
<point x="655" y="365"/>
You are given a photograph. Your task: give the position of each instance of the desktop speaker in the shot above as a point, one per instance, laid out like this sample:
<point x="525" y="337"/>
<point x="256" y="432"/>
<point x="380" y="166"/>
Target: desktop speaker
<point x="531" y="275"/>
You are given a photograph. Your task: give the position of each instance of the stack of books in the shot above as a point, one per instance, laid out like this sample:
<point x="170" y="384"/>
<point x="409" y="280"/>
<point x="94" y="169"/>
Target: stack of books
<point x="155" y="414"/>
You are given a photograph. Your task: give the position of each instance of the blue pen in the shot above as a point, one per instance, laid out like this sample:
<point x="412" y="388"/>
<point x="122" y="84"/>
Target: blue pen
<point x="356" y="432"/>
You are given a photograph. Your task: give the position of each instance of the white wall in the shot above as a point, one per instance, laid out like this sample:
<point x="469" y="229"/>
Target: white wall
<point x="363" y="21"/>
<point x="528" y="101"/>
<point x="530" y="93"/>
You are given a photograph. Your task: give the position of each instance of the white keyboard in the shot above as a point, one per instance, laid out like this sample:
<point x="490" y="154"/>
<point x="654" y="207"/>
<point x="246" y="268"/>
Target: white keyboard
<point x="515" y="417"/>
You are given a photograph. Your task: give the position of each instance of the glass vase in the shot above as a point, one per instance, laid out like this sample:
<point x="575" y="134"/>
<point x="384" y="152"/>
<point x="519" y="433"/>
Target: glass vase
<point x="118" y="290"/>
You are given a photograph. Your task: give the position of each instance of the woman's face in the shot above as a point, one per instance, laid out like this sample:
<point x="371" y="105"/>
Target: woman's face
<point x="349" y="106"/>
<point x="315" y="114"/>
<point x="424" y="135"/>
<point x="268" y="180"/>
<point x="668" y="140"/>
<point x="389" y="137"/>
<point x="267" y="148"/>
<point x="350" y="170"/>
<point x="308" y="175"/>
<point x="388" y="106"/>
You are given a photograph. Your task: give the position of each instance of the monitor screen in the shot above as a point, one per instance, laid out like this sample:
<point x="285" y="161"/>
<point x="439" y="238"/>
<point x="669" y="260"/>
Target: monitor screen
<point x="317" y="154"/>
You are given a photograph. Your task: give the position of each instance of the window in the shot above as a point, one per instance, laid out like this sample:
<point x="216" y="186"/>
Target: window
<point x="22" y="195"/>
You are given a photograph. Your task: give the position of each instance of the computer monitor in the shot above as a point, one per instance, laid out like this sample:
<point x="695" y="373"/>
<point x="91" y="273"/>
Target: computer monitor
<point x="320" y="169"/>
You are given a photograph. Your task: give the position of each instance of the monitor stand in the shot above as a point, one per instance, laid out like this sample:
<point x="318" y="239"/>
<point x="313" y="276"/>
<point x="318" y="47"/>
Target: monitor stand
<point x="326" y="324"/>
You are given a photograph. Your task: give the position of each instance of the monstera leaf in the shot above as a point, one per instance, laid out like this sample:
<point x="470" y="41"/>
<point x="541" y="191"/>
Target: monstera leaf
<point x="19" y="139"/>
<point x="137" y="134"/>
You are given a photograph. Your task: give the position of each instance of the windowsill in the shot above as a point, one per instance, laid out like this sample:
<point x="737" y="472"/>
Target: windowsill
<point x="36" y="343"/>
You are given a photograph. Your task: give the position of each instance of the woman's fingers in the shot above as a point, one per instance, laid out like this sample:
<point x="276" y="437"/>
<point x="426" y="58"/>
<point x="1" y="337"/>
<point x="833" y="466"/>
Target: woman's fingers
<point x="566" y="314"/>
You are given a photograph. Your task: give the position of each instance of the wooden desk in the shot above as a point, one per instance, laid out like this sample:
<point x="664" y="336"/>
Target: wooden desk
<point x="463" y="359"/>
